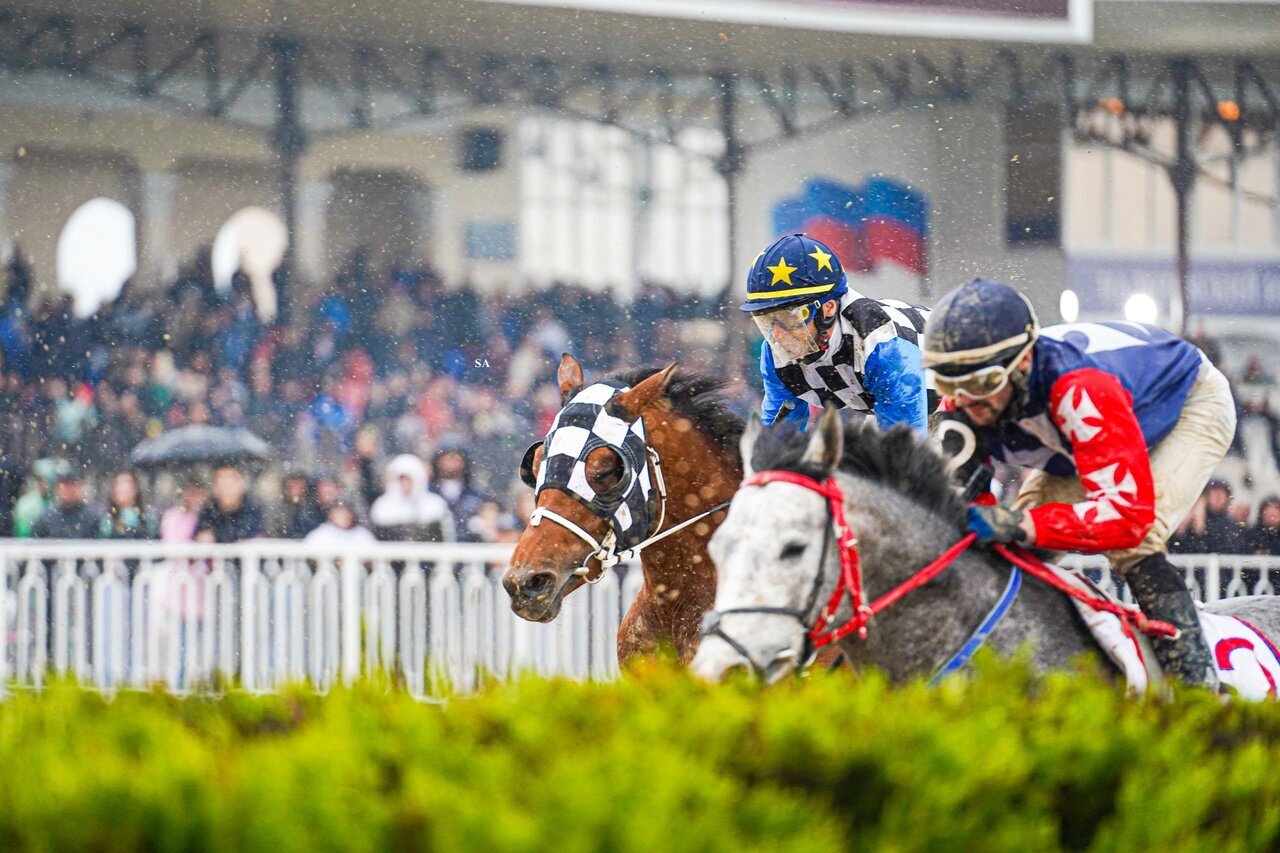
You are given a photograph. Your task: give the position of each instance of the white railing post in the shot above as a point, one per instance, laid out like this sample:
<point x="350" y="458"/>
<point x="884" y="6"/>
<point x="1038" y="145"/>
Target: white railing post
<point x="444" y="646"/>
<point x="70" y="632"/>
<point x="380" y="618"/>
<point x="606" y="615"/>
<point x="250" y="580"/>
<point x="110" y="628"/>
<point x="220" y="619"/>
<point x="31" y="656"/>
<point x="352" y="572"/>
<point x="1212" y="578"/>
<point x="324" y="627"/>
<point x="413" y="629"/>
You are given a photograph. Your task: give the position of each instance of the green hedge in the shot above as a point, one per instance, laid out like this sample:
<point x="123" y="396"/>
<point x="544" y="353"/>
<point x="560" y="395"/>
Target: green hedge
<point x="1006" y="761"/>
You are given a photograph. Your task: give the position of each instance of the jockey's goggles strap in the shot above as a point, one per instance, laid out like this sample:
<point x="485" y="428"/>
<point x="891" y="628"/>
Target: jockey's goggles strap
<point x="982" y="383"/>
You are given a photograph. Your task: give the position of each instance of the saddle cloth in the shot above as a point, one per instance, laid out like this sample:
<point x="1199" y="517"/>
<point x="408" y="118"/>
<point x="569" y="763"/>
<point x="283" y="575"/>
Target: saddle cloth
<point x="1247" y="660"/>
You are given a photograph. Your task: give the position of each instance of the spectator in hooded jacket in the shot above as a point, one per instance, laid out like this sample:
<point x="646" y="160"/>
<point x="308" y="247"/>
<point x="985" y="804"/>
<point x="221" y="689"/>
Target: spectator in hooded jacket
<point x="406" y="511"/>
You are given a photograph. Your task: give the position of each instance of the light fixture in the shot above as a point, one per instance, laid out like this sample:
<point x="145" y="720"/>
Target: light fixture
<point x="1141" y="308"/>
<point x="1069" y="306"/>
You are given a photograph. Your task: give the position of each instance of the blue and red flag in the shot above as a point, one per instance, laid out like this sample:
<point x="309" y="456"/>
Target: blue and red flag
<point x="881" y="221"/>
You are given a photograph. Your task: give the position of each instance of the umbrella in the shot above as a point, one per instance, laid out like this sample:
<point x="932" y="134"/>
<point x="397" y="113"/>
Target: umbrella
<point x="200" y="443"/>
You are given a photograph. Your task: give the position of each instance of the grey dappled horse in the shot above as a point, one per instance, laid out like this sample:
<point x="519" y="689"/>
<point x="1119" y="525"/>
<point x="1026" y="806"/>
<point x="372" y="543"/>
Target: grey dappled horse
<point x="774" y="551"/>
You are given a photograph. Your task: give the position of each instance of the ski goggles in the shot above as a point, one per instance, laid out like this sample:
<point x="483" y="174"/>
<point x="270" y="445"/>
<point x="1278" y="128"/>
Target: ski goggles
<point x="790" y="331"/>
<point x="980" y="384"/>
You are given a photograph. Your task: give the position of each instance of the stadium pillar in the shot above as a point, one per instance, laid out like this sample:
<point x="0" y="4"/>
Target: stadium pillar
<point x="289" y="140"/>
<point x="730" y="164"/>
<point x="312" y="251"/>
<point x="1182" y="173"/>
<point x="158" y="192"/>
<point x="7" y="170"/>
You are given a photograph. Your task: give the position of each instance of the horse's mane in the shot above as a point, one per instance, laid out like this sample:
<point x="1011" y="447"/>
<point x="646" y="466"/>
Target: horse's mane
<point x="697" y="396"/>
<point x="897" y="458"/>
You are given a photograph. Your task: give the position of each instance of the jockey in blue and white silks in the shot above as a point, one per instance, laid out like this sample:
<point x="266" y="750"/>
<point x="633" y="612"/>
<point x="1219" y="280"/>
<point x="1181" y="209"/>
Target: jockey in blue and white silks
<point x="826" y="343"/>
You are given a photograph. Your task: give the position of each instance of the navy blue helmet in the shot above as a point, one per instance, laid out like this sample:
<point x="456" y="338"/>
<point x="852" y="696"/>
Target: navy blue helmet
<point x="982" y="327"/>
<point x="794" y="269"/>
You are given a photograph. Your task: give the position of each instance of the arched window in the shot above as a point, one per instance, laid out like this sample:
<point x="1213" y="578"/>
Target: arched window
<point x="97" y="253"/>
<point x="252" y="241"/>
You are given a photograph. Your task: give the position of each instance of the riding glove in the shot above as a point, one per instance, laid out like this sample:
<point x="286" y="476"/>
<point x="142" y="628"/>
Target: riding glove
<point x="996" y="523"/>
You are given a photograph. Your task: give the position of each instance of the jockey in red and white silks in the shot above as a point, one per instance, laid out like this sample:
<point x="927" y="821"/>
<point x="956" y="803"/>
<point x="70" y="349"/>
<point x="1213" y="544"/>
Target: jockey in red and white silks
<point x="1123" y="422"/>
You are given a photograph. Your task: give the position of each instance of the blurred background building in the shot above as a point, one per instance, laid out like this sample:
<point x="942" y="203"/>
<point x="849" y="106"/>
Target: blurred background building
<point x="328" y="216"/>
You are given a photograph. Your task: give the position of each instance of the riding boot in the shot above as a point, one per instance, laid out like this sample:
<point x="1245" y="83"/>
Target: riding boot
<point x="1159" y="590"/>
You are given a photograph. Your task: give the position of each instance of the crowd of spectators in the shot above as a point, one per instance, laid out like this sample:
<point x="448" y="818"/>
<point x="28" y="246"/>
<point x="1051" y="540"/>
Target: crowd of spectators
<point x="1220" y="524"/>
<point x="393" y="403"/>
<point x="396" y="406"/>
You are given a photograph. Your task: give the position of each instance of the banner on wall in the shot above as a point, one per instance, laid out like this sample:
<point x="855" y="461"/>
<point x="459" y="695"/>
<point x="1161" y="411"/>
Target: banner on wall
<point x="1217" y="287"/>
<point x="880" y="221"/>
<point x="993" y="20"/>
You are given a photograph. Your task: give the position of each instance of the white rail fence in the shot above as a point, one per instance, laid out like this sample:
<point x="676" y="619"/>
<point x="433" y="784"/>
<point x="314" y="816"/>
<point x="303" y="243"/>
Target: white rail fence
<point x="266" y="613"/>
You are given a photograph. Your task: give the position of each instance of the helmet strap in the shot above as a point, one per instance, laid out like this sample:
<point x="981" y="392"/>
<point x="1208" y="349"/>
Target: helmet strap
<point x="824" y="325"/>
<point x="1018" y="379"/>
<point x="821" y="320"/>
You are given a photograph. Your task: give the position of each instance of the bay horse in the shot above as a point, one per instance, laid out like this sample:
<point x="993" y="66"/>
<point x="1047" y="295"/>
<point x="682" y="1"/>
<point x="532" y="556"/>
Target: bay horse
<point x="691" y="438"/>
<point x="779" y="563"/>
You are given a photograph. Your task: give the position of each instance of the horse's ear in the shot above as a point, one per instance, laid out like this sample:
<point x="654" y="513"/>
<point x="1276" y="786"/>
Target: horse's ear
<point x="569" y="375"/>
<point x="827" y="442"/>
<point x="747" y="444"/>
<point x="639" y="398"/>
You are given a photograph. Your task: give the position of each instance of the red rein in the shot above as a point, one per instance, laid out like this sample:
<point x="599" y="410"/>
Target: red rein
<point x="850" y="584"/>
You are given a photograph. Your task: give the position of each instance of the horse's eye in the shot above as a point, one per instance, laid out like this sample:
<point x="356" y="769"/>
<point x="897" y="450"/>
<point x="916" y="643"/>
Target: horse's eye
<point x="610" y="477"/>
<point x="795" y="549"/>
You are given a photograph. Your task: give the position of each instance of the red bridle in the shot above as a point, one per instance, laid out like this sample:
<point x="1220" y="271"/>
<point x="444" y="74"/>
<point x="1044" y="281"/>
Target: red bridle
<point x="850" y="582"/>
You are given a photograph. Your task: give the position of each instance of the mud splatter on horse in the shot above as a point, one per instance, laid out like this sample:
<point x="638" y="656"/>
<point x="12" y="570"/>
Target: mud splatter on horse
<point x="689" y="460"/>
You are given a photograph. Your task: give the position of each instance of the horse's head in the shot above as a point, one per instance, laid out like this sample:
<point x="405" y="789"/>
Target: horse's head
<point x="776" y="565"/>
<point x="588" y="499"/>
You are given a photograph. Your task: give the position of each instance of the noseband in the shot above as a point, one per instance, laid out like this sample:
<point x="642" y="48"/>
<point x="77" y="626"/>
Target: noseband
<point x="819" y="629"/>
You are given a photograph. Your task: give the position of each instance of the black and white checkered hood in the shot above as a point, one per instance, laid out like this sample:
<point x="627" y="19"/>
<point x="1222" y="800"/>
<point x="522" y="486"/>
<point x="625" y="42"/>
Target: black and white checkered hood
<point x="582" y="426"/>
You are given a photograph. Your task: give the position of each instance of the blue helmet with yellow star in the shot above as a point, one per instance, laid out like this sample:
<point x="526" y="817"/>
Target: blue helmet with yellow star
<point x="794" y="269"/>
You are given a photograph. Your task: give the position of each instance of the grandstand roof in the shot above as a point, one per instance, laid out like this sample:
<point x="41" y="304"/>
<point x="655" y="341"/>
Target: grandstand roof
<point x="1145" y="26"/>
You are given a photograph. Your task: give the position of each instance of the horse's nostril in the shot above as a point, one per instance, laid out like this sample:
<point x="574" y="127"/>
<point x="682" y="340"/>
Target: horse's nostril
<point x="538" y="583"/>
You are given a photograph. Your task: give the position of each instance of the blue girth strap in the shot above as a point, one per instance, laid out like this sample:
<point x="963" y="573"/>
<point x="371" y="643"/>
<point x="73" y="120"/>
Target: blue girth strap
<point x="970" y="648"/>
